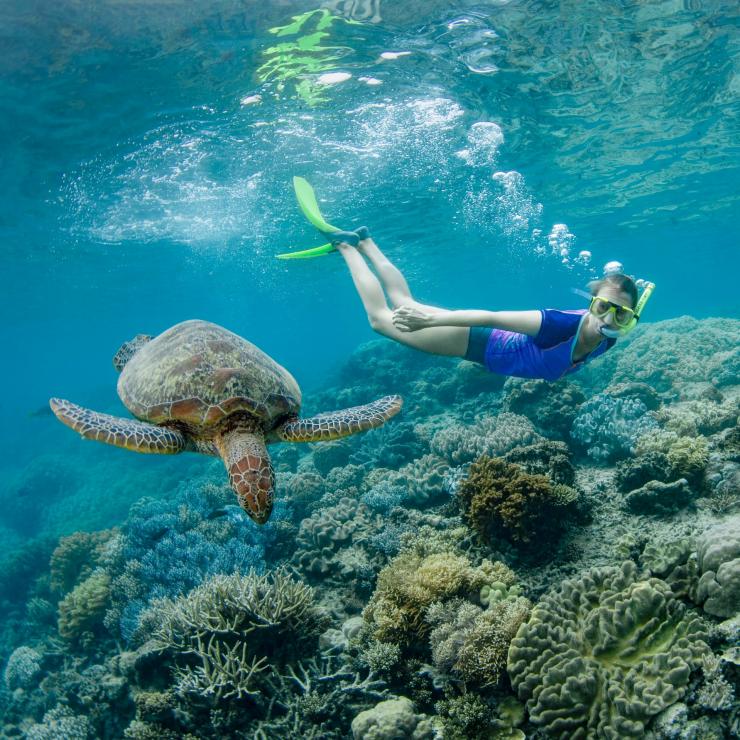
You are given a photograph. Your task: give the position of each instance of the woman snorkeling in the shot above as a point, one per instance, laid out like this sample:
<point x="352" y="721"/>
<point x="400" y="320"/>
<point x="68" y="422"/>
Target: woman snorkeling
<point x="544" y="343"/>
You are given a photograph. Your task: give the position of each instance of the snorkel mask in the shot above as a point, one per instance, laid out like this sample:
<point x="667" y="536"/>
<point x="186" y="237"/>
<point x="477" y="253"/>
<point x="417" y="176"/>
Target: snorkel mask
<point x="625" y="318"/>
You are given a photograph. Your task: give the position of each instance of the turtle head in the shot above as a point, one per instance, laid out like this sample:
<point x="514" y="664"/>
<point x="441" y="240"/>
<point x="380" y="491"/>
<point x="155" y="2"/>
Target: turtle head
<point x="250" y="471"/>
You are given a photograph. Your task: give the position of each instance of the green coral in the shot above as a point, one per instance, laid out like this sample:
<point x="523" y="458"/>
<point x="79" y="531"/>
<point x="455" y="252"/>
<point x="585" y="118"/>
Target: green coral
<point x="687" y="457"/>
<point x="83" y="608"/>
<point x="76" y="556"/>
<point x="603" y="654"/>
<point x="500" y="499"/>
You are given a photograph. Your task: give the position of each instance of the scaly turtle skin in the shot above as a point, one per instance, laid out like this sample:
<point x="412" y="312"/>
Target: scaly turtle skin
<point x="198" y="387"/>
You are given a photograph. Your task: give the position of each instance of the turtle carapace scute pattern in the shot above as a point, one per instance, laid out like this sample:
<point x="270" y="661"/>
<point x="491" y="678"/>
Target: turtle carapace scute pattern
<point x="201" y="388"/>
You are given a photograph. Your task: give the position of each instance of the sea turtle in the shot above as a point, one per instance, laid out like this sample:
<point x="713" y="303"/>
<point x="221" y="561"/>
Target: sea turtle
<point x="201" y="388"/>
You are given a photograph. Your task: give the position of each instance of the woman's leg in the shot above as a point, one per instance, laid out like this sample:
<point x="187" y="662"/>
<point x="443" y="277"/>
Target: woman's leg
<point x="451" y="341"/>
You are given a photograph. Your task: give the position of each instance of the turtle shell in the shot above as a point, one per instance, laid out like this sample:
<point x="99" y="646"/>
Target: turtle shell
<point x="199" y="373"/>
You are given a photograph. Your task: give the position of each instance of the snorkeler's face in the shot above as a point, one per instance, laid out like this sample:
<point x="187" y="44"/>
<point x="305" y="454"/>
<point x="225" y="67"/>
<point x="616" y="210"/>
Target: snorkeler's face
<point x="612" y="307"/>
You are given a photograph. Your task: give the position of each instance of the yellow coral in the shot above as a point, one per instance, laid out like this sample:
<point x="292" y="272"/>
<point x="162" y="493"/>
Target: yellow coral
<point x="83" y="608"/>
<point x="411" y="582"/>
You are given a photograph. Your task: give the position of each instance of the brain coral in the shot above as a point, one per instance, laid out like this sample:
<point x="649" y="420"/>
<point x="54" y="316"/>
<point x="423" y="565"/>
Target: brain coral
<point x="603" y="654"/>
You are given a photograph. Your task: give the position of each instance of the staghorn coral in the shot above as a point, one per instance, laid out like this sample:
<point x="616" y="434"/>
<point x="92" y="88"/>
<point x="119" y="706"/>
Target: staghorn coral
<point x="550" y="406"/>
<point x="230" y="629"/>
<point x="718" y="560"/>
<point x="490" y="435"/>
<point x="603" y="654"/>
<point x="82" y="609"/>
<point x="500" y="499"/>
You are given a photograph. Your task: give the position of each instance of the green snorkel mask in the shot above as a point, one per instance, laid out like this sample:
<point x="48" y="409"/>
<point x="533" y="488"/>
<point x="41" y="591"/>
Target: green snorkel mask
<point x="625" y="318"/>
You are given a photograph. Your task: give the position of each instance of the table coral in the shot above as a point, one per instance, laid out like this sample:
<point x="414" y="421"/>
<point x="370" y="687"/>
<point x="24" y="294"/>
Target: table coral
<point x="603" y="654"/>
<point x="500" y="499"/>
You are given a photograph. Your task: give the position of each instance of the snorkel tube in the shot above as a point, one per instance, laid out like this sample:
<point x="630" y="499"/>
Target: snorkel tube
<point x="616" y="268"/>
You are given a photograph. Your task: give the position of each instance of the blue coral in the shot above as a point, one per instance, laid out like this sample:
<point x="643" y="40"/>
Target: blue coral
<point x="609" y="427"/>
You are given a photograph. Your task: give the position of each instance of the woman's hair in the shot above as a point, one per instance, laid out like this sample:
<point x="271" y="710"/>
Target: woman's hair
<point x="623" y="283"/>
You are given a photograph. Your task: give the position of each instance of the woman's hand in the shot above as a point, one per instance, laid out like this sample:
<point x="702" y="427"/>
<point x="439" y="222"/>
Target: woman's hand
<point x="411" y="318"/>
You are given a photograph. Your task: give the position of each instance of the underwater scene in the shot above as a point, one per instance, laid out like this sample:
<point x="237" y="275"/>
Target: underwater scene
<point x="371" y="369"/>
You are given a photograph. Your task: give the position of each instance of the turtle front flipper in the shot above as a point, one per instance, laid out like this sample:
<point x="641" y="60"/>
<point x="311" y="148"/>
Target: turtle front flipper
<point x="336" y="424"/>
<point x="115" y="430"/>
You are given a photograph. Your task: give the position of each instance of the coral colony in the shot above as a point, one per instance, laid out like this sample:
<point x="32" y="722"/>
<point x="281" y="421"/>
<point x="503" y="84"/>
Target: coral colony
<point x="506" y="559"/>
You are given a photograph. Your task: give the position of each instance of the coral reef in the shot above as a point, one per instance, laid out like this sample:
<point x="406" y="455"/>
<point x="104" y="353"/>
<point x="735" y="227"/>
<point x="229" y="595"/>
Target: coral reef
<point x="660" y="498"/>
<point x="603" y="654"/>
<point x="718" y="559"/>
<point x="83" y="608"/>
<point x="392" y="718"/>
<point x="412" y="582"/>
<point x="490" y="435"/>
<point x="22" y="668"/>
<point x="607" y="427"/>
<point x="500" y="499"/>
<point x="551" y="407"/>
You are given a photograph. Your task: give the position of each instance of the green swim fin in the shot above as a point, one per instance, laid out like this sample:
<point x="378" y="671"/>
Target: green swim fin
<point x="305" y="254"/>
<point x="309" y="206"/>
<point x="307" y="202"/>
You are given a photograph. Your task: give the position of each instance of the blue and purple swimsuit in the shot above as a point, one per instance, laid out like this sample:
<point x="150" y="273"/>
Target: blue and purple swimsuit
<point x="549" y="355"/>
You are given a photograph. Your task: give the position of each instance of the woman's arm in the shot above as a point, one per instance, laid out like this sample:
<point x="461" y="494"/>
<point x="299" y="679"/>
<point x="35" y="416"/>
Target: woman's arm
<point x="414" y="317"/>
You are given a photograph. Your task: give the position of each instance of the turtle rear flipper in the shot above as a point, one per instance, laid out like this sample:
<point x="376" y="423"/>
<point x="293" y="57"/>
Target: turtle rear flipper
<point x="127" y="350"/>
<point x="336" y="424"/>
<point x="115" y="430"/>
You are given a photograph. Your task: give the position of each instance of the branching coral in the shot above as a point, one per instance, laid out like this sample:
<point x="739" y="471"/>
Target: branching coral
<point x="687" y="457"/>
<point x="76" y="556"/>
<point x="230" y="629"/>
<point x="603" y="654"/>
<point x="500" y="499"/>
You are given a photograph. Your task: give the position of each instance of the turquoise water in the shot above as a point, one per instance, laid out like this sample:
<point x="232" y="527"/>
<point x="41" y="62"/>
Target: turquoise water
<point x="147" y="151"/>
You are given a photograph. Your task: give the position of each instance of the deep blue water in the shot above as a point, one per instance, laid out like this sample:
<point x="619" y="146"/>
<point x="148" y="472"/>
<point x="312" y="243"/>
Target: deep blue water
<point x="140" y="188"/>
